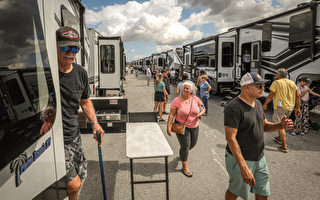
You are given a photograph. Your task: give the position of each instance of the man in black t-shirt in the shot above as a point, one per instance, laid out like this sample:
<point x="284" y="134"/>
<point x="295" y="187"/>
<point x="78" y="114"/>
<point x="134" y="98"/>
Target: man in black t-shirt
<point x="74" y="91"/>
<point x="245" y="124"/>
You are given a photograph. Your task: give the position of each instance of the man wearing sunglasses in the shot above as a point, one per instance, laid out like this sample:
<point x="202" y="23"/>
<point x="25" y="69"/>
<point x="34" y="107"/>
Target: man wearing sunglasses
<point x="245" y="124"/>
<point x="284" y="93"/>
<point x="75" y="92"/>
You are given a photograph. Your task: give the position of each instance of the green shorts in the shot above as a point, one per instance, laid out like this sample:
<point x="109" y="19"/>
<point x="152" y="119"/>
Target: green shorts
<point x="260" y="172"/>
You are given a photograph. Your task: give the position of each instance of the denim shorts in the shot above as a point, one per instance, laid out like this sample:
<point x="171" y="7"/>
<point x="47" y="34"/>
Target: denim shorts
<point x="260" y="172"/>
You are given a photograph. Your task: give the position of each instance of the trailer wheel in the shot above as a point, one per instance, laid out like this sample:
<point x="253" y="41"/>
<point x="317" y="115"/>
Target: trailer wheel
<point x="315" y="126"/>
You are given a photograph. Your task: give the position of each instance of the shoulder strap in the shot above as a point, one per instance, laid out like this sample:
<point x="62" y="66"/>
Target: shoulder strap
<point x="189" y="110"/>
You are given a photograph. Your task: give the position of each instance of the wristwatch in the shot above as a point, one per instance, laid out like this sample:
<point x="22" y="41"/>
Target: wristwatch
<point x="93" y="123"/>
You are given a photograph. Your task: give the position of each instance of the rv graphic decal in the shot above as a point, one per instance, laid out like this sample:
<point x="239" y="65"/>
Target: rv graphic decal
<point x="22" y="162"/>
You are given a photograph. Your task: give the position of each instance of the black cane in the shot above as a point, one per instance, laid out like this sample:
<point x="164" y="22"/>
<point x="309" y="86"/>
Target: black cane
<point x="101" y="165"/>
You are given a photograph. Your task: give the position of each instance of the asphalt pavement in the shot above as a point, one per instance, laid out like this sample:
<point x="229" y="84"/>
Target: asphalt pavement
<point x="293" y="175"/>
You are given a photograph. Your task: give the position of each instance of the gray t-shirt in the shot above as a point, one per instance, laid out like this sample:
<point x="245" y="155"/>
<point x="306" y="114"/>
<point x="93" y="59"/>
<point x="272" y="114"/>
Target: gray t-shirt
<point x="74" y="86"/>
<point x="249" y="122"/>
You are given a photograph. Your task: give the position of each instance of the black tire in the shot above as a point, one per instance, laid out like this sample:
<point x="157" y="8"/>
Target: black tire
<point x="315" y="126"/>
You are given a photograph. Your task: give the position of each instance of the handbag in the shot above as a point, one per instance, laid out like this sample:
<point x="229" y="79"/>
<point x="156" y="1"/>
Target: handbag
<point x="177" y="127"/>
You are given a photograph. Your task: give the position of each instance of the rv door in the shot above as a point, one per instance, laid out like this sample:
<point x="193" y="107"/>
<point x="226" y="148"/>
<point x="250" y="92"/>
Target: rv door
<point x="226" y="61"/>
<point x="255" y="56"/>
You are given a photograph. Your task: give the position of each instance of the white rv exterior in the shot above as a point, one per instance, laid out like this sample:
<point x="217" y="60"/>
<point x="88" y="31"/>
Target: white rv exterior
<point x="31" y="163"/>
<point x="288" y="40"/>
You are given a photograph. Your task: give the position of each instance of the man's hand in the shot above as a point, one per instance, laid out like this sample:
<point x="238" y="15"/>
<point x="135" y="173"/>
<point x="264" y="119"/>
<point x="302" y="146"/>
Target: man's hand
<point x="286" y="123"/>
<point x="169" y="131"/>
<point x="265" y="106"/>
<point x="247" y="176"/>
<point x="297" y="111"/>
<point x="97" y="127"/>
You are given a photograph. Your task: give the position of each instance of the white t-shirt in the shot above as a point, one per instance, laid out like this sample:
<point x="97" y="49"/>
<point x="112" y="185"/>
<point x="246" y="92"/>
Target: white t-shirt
<point x="148" y="72"/>
<point x="246" y="58"/>
<point x="172" y="74"/>
<point x="301" y="90"/>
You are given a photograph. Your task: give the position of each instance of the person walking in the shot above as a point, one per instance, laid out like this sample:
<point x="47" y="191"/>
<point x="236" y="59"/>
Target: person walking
<point x="205" y="89"/>
<point x="245" y="124"/>
<point x="148" y="73"/>
<point x="301" y="122"/>
<point x="179" y="89"/>
<point x="75" y="92"/>
<point x="185" y="110"/>
<point x="172" y="76"/>
<point x="285" y="95"/>
<point x="160" y="93"/>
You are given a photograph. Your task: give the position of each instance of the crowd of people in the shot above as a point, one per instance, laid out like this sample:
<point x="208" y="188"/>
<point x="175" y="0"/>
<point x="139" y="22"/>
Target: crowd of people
<point x="245" y="123"/>
<point x="244" y="118"/>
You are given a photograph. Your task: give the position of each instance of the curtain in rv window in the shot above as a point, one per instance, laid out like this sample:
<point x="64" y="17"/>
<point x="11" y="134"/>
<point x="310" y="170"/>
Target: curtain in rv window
<point x="27" y="95"/>
<point x="107" y="59"/>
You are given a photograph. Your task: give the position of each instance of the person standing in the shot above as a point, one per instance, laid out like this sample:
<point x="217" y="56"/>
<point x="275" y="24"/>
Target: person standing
<point x="204" y="92"/>
<point x="172" y="76"/>
<point x="166" y="81"/>
<point x="148" y="72"/>
<point x="74" y="90"/>
<point x="245" y="124"/>
<point x="301" y="121"/>
<point x="285" y="95"/>
<point x="185" y="109"/>
<point x="246" y="59"/>
<point x="185" y="77"/>
<point x="160" y="93"/>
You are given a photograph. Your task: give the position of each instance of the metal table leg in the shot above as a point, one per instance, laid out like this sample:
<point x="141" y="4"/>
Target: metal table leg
<point x="167" y="177"/>
<point x="131" y="174"/>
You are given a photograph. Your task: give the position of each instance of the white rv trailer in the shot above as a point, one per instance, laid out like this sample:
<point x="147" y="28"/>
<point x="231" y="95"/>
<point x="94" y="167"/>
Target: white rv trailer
<point x="289" y="40"/>
<point x="216" y="55"/>
<point x="173" y="60"/>
<point x="31" y="163"/>
<point x="106" y="70"/>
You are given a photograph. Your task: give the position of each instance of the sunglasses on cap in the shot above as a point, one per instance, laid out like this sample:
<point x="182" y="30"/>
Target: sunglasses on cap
<point x="259" y="86"/>
<point x="73" y="49"/>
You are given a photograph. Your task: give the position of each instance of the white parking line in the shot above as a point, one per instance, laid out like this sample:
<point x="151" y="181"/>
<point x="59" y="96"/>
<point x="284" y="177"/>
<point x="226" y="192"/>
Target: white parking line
<point x="218" y="160"/>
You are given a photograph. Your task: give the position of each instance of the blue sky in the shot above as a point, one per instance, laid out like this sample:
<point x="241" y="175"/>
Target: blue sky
<point x="152" y="26"/>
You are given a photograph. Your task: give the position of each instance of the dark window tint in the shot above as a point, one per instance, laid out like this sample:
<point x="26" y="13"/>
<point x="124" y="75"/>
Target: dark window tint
<point x="161" y="62"/>
<point x="26" y="87"/>
<point x="266" y="37"/>
<point x="300" y="30"/>
<point x="16" y="95"/>
<point x="255" y="52"/>
<point x="203" y="53"/>
<point x="227" y="54"/>
<point x="107" y="59"/>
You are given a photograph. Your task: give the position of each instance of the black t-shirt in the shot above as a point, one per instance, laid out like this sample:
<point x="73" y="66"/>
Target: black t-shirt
<point x="74" y="86"/>
<point x="249" y="122"/>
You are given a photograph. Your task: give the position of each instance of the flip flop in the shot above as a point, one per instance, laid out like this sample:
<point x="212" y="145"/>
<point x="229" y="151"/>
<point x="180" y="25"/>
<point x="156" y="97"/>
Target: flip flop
<point x="187" y="173"/>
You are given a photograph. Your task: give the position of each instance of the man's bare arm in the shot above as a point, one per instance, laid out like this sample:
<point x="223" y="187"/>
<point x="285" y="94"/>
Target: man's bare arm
<point x="236" y="152"/>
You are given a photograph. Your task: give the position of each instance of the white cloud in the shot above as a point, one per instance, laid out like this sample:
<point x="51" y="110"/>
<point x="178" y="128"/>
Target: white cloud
<point x="138" y="56"/>
<point x="227" y="13"/>
<point x="132" y="50"/>
<point x="155" y="20"/>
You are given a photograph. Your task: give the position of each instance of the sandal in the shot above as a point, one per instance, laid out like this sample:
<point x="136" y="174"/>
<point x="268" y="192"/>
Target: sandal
<point x="187" y="173"/>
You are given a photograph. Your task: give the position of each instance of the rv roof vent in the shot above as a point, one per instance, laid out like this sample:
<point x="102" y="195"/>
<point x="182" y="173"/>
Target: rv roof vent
<point x="302" y="4"/>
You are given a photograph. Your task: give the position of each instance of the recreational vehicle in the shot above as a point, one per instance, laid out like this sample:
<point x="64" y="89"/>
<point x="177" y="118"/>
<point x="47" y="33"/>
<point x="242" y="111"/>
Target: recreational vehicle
<point x="106" y="70"/>
<point x="31" y="151"/>
<point x="287" y="40"/>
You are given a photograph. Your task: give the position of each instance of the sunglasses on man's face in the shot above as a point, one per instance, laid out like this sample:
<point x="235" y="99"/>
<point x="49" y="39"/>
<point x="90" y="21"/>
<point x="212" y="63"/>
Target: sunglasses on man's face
<point x="73" y="49"/>
<point x="259" y="86"/>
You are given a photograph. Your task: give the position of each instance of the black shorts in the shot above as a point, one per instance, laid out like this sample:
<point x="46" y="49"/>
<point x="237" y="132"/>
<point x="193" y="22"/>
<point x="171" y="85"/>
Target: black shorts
<point x="159" y="96"/>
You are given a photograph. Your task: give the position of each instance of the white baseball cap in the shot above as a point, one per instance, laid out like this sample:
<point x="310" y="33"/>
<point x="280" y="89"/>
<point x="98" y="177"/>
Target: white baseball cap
<point x="252" y="77"/>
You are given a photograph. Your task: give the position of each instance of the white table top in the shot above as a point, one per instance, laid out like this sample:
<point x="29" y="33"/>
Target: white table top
<point x="146" y="140"/>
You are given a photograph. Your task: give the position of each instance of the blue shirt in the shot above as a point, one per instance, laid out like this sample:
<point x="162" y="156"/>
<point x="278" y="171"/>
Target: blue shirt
<point x="161" y="85"/>
<point x="204" y="87"/>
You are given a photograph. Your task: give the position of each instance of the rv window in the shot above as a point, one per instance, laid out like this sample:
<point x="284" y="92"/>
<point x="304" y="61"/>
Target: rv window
<point x="187" y="60"/>
<point x="300" y="30"/>
<point x="266" y="37"/>
<point x="227" y="54"/>
<point x="107" y="59"/>
<point x="255" y="52"/>
<point x="26" y="87"/>
<point x="68" y="19"/>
